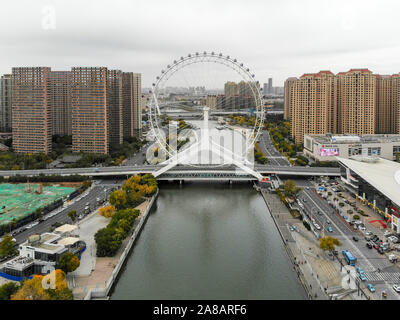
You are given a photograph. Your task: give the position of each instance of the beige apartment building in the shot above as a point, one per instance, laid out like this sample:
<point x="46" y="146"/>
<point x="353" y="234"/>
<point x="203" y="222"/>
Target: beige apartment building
<point x="354" y="102"/>
<point x="287" y="93"/>
<point x="357" y="102"/>
<point x="313" y="97"/>
<point x="231" y="89"/>
<point x="31" y="110"/>
<point x="132" y="104"/>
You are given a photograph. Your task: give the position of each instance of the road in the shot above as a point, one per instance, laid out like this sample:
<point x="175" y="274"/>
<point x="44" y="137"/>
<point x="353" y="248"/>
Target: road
<point x="368" y="259"/>
<point x="269" y="150"/>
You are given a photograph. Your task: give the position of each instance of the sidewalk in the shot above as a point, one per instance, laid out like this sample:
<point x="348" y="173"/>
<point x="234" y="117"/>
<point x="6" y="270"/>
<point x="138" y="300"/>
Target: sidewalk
<point x="94" y="272"/>
<point x="303" y="268"/>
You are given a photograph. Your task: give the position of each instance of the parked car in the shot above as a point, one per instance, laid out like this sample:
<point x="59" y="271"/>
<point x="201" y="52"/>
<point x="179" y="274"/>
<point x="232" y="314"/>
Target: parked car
<point x="371" y="287"/>
<point x="362" y="277"/>
<point x="369" y="245"/>
<point x="355" y="238"/>
<point x="396" y="288"/>
<point x="387" y="233"/>
<point x="317" y="226"/>
<point x="330" y="229"/>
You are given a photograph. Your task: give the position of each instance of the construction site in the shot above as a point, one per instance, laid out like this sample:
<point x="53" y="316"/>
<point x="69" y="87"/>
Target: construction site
<point x="17" y="201"/>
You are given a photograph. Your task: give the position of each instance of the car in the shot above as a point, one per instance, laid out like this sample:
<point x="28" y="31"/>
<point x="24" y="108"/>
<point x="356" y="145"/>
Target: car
<point x="308" y="188"/>
<point x="396" y="288"/>
<point x="362" y="228"/>
<point x="330" y="229"/>
<point x="355" y="238"/>
<point x="362" y="276"/>
<point x="375" y="246"/>
<point x="317" y="226"/>
<point x="319" y="212"/>
<point x="359" y="270"/>
<point x="369" y="245"/>
<point x="387" y="233"/>
<point x="371" y="287"/>
<point x="291" y="228"/>
<point x="369" y="233"/>
<point x="381" y="251"/>
<point x="328" y="221"/>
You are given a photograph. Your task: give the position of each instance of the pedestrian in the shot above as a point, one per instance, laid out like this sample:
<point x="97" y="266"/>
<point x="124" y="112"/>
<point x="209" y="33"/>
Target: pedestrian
<point x="310" y="286"/>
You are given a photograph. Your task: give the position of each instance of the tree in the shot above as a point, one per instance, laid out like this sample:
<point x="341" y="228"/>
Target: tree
<point x="107" y="242"/>
<point x="107" y="212"/>
<point x="328" y="243"/>
<point x="8" y="289"/>
<point x="118" y="199"/>
<point x="72" y="215"/>
<point x="33" y="289"/>
<point x="69" y="262"/>
<point x="7" y="246"/>
<point x="290" y="188"/>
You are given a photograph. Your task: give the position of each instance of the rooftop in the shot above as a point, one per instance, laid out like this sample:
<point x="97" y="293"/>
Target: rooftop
<point x="66" y="228"/>
<point x="366" y="138"/>
<point x="384" y="175"/>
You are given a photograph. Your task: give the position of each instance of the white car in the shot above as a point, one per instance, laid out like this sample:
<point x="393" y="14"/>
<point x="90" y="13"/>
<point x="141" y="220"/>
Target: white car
<point x="317" y="226"/>
<point x="396" y="288"/>
<point x="362" y="228"/>
<point x="387" y="233"/>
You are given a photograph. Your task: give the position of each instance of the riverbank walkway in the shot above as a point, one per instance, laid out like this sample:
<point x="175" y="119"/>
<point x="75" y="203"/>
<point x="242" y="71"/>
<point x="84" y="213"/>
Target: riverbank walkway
<point x="94" y="272"/>
<point x="316" y="271"/>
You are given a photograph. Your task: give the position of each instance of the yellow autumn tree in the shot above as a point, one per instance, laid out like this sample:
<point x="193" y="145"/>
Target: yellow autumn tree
<point x="107" y="212"/>
<point x="33" y="289"/>
<point x="118" y="199"/>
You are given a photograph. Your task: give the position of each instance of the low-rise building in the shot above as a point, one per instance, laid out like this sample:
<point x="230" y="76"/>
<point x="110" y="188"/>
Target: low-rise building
<point x="376" y="182"/>
<point x="40" y="253"/>
<point x="321" y="147"/>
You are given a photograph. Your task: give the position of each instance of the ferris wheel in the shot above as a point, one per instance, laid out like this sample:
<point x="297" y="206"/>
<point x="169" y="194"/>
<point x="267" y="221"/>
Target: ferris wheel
<point x="201" y="73"/>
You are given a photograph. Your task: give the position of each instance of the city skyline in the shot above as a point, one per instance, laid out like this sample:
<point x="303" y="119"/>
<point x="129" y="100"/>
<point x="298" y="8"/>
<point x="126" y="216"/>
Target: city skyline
<point x="291" y="43"/>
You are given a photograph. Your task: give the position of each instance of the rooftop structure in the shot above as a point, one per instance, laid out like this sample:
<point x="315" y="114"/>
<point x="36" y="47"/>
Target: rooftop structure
<point x="326" y="147"/>
<point x="376" y="181"/>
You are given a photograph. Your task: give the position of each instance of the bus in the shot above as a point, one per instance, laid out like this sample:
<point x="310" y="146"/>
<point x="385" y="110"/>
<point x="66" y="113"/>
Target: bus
<point x="349" y="257"/>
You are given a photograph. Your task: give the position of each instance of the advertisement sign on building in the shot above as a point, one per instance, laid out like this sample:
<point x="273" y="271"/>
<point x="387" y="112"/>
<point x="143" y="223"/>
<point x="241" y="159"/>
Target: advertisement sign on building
<point x="328" y="152"/>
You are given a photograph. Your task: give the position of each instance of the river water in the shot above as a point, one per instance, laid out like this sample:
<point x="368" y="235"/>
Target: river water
<point x="208" y="241"/>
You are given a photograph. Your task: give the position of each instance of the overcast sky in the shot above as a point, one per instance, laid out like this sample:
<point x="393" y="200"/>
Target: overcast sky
<point x="275" y="39"/>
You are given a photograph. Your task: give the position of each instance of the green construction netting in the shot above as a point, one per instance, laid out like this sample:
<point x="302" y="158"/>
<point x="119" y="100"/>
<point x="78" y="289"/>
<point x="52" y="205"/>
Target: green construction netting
<point x="16" y="202"/>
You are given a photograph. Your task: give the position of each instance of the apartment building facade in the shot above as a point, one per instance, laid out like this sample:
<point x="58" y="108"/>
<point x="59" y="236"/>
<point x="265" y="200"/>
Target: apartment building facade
<point x="60" y="90"/>
<point x="6" y="103"/>
<point x="353" y="102"/>
<point x="31" y="110"/>
<point x="90" y="125"/>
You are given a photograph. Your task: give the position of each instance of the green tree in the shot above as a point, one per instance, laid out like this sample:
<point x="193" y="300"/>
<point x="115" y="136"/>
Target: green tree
<point x="290" y="188"/>
<point x="7" y="246"/>
<point x="8" y="289"/>
<point x="69" y="262"/>
<point x="328" y="243"/>
<point x="72" y="215"/>
<point x="107" y="242"/>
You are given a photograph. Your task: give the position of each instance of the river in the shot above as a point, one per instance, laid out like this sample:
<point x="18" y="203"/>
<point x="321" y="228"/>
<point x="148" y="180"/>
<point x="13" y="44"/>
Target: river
<point x="208" y="241"/>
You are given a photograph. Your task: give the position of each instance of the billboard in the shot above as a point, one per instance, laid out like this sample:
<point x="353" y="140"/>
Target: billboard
<point x="328" y="152"/>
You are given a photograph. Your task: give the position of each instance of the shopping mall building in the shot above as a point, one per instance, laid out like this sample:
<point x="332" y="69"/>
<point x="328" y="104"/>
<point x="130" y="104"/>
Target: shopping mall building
<point x="376" y="182"/>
